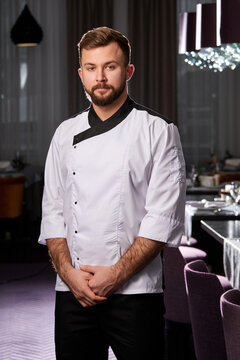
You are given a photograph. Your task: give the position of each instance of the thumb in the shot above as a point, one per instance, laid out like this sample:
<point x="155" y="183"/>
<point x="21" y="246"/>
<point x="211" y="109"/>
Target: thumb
<point x="87" y="268"/>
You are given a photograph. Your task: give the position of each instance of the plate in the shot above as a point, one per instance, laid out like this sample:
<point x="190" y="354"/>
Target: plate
<point x="207" y="205"/>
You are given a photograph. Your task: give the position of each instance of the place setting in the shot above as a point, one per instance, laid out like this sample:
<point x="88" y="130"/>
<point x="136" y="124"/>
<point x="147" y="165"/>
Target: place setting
<point x="227" y="201"/>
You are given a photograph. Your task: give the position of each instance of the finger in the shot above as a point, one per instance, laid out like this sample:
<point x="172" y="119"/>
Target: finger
<point x="89" y="304"/>
<point x="87" y="299"/>
<point x="87" y="275"/>
<point x="100" y="298"/>
<point x="92" y="297"/>
<point x="84" y="303"/>
<point x="87" y="268"/>
<point x="93" y="288"/>
<point x="91" y="300"/>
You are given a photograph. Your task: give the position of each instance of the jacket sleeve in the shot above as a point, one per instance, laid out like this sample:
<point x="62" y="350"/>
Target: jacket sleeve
<point x="165" y="201"/>
<point x="52" y="225"/>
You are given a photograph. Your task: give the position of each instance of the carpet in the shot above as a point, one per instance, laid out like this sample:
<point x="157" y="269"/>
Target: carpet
<point x="27" y="312"/>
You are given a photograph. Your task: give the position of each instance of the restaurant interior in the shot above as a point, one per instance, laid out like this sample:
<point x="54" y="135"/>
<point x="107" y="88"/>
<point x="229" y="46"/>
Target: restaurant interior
<point x="186" y="55"/>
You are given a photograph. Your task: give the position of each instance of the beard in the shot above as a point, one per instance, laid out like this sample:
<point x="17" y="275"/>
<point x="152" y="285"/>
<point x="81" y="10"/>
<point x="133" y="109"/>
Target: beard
<point x="102" y="100"/>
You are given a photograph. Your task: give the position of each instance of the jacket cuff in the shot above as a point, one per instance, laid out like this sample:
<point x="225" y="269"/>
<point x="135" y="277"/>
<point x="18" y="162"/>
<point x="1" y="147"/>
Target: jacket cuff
<point x="162" y="228"/>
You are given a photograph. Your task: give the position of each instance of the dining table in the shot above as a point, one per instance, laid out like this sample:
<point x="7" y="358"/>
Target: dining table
<point x="203" y="190"/>
<point x="208" y="207"/>
<point x="227" y="233"/>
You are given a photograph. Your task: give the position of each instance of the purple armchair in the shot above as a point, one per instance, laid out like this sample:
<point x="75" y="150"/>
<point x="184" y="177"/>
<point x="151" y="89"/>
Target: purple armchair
<point x="230" y="311"/>
<point x="175" y="297"/>
<point x="188" y="242"/>
<point x="204" y="290"/>
<point x="178" y="331"/>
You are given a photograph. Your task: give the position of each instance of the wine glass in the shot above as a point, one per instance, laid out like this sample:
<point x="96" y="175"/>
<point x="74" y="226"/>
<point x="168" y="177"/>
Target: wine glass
<point x="235" y="194"/>
<point x="193" y="174"/>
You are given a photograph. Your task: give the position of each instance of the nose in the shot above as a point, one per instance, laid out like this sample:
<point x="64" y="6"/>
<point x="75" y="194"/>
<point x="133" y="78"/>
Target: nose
<point x="101" y="77"/>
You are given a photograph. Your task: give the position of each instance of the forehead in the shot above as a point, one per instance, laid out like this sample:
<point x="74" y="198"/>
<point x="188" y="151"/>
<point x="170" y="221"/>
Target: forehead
<point x="110" y="52"/>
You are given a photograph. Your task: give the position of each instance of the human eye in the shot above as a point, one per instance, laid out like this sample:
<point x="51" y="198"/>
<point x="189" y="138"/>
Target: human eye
<point x="90" y="68"/>
<point x="110" y="67"/>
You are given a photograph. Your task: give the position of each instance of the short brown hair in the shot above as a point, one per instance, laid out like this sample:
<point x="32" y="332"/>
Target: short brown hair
<point x="102" y="36"/>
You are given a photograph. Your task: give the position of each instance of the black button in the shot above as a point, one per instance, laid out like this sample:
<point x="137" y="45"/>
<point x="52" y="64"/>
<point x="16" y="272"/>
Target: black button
<point x="75" y="203"/>
<point x="75" y="147"/>
<point x="75" y="231"/>
<point x="74" y="173"/>
<point x="77" y="258"/>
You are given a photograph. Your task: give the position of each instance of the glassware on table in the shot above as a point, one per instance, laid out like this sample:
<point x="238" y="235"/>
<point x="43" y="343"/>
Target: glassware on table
<point x="193" y="175"/>
<point x="235" y="195"/>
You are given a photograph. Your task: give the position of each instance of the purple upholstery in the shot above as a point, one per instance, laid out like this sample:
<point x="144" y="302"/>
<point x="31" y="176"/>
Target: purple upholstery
<point x="175" y="297"/>
<point x="188" y="242"/>
<point x="230" y="311"/>
<point x="204" y="290"/>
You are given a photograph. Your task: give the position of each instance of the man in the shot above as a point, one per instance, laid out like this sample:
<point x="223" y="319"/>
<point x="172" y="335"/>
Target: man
<point x="114" y="196"/>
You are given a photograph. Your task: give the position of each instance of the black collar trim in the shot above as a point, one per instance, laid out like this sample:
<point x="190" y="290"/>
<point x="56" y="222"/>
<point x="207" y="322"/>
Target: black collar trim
<point x="99" y="127"/>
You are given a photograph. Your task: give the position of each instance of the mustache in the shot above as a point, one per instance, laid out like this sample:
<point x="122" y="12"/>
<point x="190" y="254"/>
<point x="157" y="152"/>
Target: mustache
<point x="101" y="86"/>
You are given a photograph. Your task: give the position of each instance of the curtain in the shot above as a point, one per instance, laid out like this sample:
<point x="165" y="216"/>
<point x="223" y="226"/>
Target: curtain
<point x="152" y="33"/>
<point x="208" y="108"/>
<point x="82" y="16"/>
<point x="33" y="81"/>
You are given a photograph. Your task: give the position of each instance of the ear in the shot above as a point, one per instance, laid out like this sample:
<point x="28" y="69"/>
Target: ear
<point x="80" y="73"/>
<point x="130" y="71"/>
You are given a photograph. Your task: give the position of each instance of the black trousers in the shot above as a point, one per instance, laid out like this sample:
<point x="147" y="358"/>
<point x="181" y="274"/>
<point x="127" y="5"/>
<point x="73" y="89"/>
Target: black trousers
<point x="132" y="325"/>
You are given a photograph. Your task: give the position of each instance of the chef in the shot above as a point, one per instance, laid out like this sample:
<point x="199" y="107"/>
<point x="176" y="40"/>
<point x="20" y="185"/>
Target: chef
<point x="114" y="196"/>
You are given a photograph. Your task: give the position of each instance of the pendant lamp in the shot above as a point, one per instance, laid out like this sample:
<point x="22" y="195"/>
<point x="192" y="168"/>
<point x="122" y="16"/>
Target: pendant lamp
<point x="228" y="12"/>
<point x="26" y="31"/>
<point x="217" y="36"/>
<point x="187" y="31"/>
<point x="206" y="26"/>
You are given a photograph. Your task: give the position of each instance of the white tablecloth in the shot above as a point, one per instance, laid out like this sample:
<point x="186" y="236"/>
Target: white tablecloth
<point x="231" y="260"/>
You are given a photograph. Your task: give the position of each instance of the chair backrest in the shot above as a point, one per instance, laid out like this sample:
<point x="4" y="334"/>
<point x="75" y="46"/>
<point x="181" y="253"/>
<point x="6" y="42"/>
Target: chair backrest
<point x="230" y="311"/>
<point x="175" y="297"/>
<point x="191" y="241"/>
<point x="11" y="196"/>
<point x="204" y="290"/>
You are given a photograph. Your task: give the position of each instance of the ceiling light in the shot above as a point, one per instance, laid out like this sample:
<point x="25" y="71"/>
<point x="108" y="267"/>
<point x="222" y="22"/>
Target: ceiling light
<point x="217" y="34"/>
<point x="26" y="31"/>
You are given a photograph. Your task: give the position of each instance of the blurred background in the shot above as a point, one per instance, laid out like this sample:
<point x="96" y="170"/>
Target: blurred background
<point x="40" y="86"/>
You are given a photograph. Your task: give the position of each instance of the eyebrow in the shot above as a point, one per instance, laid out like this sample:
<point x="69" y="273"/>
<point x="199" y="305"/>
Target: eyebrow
<point x="107" y="63"/>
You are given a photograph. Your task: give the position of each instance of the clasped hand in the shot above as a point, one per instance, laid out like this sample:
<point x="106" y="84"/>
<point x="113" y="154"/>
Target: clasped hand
<point x="92" y="285"/>
<point x="104" y="280"/>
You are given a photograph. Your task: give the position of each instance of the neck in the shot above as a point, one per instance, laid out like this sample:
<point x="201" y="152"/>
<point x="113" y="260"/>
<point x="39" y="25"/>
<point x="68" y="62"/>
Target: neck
<point x="105" y="112"/>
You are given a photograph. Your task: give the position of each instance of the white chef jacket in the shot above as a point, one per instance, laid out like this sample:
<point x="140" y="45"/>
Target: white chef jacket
<point x="107" y="182"/>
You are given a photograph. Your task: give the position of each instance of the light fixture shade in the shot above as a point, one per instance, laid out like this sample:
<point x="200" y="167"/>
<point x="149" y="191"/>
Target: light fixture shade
<point x="206" y="19"/>
<point x="228" y="21"/>
<point x="26" y="31"/>
<point x="187" y="32"/>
